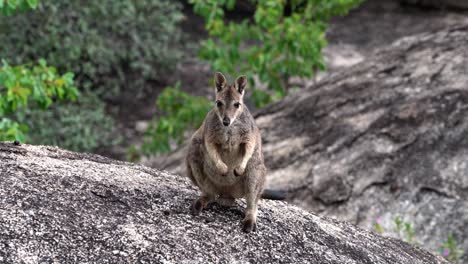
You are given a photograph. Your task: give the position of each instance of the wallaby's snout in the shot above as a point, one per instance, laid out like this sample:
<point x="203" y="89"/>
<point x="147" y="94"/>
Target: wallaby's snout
<point x="226" y="121"/>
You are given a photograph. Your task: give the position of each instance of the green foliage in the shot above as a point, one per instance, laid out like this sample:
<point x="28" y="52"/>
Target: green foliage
<point x="111" y="46"/>
<point x="23" y="85"/>
<point x="284" y="39"/>
<point x="11" y="130"/>
<point x="180" y="112"/>
<point x="404" y="229"/>
<point x="27" y="92"/>
<point x="377" y="226"/>
<point x="398" y="224"/>
<point x="450" y="250"/>
<point x="81" y="126"/>
<point x="9" y="7"/>
<point x="409" y="233"/>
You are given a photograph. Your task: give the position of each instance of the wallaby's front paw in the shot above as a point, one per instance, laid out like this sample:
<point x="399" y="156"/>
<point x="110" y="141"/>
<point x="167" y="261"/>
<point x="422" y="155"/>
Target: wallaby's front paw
<point x="239" y="171"/>
<point x="223" y="169"/>
<point x="249" y="225"/>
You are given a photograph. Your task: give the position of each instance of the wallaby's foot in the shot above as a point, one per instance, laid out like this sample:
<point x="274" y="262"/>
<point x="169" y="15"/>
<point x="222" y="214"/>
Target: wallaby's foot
<point x="197" y="207"/>
<point x="226" y="201"/>
<point x="250" y="218"/>
<point x="239" y="171"/>
<point x="249" y="225"/>
<point x="199" y="204"/>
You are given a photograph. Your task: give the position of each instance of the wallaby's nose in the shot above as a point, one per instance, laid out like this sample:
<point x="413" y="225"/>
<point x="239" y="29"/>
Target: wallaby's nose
<point x="226" y="121"/>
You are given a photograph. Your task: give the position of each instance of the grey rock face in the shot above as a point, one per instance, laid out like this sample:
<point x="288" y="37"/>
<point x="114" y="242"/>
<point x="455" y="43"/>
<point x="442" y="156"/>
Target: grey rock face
<point x="458" y="4"/>
<point x="58" y="206"/>
<point x="376" y="24"/>
<point x="384" y="138"/>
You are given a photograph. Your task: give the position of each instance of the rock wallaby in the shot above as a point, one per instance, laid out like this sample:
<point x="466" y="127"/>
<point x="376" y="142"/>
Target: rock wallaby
<point x="225" y="158"/>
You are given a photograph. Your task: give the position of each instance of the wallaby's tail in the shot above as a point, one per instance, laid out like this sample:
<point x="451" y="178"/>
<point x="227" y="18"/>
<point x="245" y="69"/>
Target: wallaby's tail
<point x="273" y="194"/>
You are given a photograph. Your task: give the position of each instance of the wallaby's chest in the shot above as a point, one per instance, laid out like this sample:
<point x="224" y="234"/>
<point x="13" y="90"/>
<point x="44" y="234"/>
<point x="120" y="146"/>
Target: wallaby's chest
<point x="230" y="141"/>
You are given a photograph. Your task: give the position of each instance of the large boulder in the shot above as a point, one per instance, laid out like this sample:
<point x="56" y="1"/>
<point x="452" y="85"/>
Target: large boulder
<point x="58" y="206"/>
<point x="375" y="24"/>
<point x="385" y="138"/>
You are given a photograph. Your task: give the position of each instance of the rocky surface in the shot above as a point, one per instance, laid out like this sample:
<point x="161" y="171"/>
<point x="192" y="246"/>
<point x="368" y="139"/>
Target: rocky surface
<point x="385" y="138"/>
<point x="58" y="206"/>
<point x="377" y="23"/>
<point x="457" y="4"/>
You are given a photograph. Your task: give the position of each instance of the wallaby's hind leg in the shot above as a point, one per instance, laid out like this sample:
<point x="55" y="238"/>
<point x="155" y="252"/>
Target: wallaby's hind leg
<point x="254" y="184"/>
<point x="195" y="173"/>
<point x="201" y="203"/>
<point x="250" y="219"/>
<point x="226" y="201"/>
<point x="190" y="174"/>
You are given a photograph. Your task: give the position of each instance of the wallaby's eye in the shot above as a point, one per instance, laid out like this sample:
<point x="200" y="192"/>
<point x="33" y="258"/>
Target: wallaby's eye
<point x="219" y="103"/>
<point x="236" y="105"/>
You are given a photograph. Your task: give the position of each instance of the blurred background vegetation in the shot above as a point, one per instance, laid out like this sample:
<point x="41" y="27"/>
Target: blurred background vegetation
<point x="121" y="54"/>
<point x="116" y="52"/>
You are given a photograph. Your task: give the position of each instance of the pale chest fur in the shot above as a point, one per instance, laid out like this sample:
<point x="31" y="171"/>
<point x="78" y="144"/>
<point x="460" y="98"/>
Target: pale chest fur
<point x="230" y="148"/>
<point x="230" y="142"/>
<point x="230" y="153"/>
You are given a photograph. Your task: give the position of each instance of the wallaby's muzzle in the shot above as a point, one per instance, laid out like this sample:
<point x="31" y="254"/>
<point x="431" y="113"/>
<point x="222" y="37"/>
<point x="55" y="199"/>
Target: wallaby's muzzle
<point x="226" y="121"/>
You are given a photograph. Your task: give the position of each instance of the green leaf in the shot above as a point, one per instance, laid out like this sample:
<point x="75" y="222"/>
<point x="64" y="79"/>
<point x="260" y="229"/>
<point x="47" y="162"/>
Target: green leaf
<point x="32" y="3"/>
<point x="181" y="112"/>
<point x="29" y="83"/>
<point x="12" y="4"/>
<point x="42" y="62"/>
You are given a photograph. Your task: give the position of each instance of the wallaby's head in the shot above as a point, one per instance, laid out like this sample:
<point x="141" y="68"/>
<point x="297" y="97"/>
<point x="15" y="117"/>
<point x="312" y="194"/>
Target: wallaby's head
<point x="229" y="98"/>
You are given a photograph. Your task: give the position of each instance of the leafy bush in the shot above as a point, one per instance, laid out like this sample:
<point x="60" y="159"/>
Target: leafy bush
<point x="28" y="85"/>
<point x="180" y="112"/>
<point x="111" y="46"/>
<point x="284" y="39"/>
<point x="27" y="92"/>
<point x="81" y="126"/>
<point x="8" y="7"/>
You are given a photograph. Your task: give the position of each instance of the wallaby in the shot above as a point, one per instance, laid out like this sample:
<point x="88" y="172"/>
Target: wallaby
<point x="225" y="158"/>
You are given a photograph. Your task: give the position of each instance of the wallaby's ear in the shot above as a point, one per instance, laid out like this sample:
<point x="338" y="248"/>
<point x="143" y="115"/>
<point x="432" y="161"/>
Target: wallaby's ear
<point x="241" y="82"/>
<point x="220" y="81"/>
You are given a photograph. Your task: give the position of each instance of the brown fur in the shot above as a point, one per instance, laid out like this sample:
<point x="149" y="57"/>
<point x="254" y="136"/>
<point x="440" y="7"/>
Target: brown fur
<point x="226" y="162"/>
